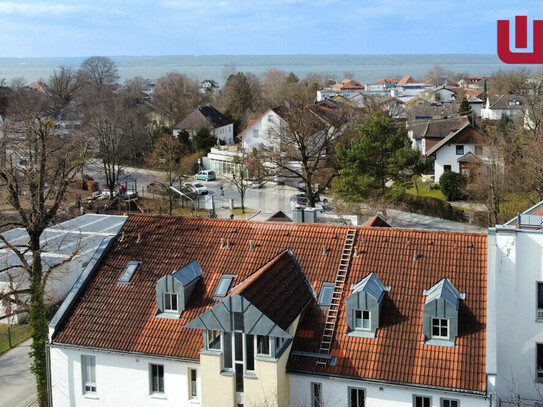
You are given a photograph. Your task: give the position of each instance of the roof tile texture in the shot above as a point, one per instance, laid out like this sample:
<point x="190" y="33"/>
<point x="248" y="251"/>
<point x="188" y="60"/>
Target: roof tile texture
<point x="121" y="318"/>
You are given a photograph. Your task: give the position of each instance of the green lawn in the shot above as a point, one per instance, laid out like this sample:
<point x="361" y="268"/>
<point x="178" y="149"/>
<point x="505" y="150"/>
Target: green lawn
<point x="436" y="193"/>
<point x="19" y="333"/>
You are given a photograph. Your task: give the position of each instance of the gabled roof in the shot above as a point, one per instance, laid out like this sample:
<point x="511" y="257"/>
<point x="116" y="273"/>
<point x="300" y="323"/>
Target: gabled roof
<point x="405" y="80"/>
<point x="435" y="128"/>
<point x="469" y="157"/>
<point x="452" y="136"/>
<point x="371" y="285"/>
<point x="279" y="216"/>
<point x="121" y="318"/>
<point x="376" y="222"/>
<point x="275" y="109"/>
<point x="443" y="290"/>
<point x="503" y="102"/>
<point x="204" y="116"/>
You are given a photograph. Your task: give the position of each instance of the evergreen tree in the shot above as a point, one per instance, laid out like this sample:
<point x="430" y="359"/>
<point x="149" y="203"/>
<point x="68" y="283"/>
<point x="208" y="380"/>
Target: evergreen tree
<point x="465" y="109"/>
<point x="379" y="162"/>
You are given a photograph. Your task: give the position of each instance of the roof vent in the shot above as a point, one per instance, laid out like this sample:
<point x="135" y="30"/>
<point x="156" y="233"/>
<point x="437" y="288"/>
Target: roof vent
<point x="325" y="250"/>
<point x="225" y="244"/>
<point x="251" y="246"/>
<point x="355" y="253"/>
<point x="122" y="237"/>
<point x="139" y="238"/>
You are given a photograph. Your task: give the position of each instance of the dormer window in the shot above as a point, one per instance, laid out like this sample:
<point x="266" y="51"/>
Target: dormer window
<point x="363" y="307"/>
<point x="440" y="314"/>
<point x="170" y="302"/>
<point x="173" y="291"/>
<point x="362" y="320"/>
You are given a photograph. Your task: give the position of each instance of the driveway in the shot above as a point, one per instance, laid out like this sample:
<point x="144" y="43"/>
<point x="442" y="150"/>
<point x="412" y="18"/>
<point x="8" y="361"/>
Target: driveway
<point x="17" y="383"/>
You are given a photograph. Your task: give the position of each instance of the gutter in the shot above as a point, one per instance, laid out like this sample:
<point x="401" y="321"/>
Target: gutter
<point x="388" y="383"/>
<point x="79" y="286"/>
<point x="122" y="353"/>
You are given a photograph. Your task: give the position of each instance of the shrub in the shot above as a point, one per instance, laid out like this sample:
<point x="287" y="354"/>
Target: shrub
<point x="452" y="184"/>
<point x="435" y="207"/>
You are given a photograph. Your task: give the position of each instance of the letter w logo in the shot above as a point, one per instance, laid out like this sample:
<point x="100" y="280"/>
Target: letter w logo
<point x="521" y="41"/>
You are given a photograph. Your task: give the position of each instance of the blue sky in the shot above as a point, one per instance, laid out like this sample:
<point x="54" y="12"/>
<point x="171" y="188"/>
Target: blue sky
<point x="253" y="27"/>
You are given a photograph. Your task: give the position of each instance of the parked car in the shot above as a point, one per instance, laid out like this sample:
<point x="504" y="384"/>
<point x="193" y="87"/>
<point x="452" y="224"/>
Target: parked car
<point x="301" y="199"/>
<point x="253" y="183"/>
<point x="206" y="175"/>
<point x="198" y="187"/>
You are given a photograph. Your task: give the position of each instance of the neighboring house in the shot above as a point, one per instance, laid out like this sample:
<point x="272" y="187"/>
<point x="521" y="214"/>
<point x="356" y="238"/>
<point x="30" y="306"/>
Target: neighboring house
<point x="210" y="118"/>
<point x="85" y="234"/>
<point x="406" y="80"/>
<point x="263" y="131"/>
<point x="425" y="134"/>
<point x="209" y="85"/>
<point x="508" y="104"/>
<point x="441" y="94"/>
<point x="215" y="312"/>
<point x="473" y="82"/>
<point x="347" y="84"/>
<point x="460" y="151"/>
<point x="515" y="309"/>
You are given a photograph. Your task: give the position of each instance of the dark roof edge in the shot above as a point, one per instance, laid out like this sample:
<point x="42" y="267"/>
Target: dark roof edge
<point x="79" y="286"/>
<point x="390" y="383"/>
<point x="120" y="352"/>
<point x="306" y="281"/>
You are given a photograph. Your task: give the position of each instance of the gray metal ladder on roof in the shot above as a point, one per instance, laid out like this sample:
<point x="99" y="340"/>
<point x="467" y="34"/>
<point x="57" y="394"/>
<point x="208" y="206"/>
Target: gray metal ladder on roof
<point x="331" y="316"/>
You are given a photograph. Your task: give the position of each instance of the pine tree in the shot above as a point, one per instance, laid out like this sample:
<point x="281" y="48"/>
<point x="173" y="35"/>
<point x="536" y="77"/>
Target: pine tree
<point x="465" y="109"/>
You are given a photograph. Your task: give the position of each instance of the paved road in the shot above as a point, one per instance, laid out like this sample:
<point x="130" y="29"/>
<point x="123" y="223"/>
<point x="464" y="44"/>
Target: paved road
<point x="17" y="383"/>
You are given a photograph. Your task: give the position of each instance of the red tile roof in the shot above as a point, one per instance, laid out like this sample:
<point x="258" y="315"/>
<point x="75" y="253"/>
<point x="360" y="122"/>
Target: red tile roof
<point x="406" y="79"/>
<point x="121" y="318"/>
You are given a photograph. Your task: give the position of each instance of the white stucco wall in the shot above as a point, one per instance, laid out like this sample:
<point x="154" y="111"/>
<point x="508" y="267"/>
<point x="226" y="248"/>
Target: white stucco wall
<point x="446" y="155"/>
<point x="515" y="266"/>
<point x="267" y="131"/>
<point x="335" y="392"/>
<point x="121" y="380"/>
<point x="225" y="133"/>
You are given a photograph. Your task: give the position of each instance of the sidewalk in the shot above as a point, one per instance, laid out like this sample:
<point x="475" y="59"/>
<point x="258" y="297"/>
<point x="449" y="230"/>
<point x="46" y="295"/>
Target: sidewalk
<point x="17" y="383"/>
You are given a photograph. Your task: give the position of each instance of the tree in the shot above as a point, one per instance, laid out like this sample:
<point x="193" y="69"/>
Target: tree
<point x="306" y="136"/>
<point x="108" y="126"/>
<point x="437" y="75"/>
<point x="238" y="177"/>
<point x="452" y="184"/>
<point x="204" y="139"/>
<point x="41" y="161"/>
<point x="175" y="96"/>
<point x="62" y="86"/>
<point x="465" y="109"/>
<point x="378" y="163"/>
<point x="97" y="73"/>
<point x="166" y="157"/>
<point x="240" y="96"/>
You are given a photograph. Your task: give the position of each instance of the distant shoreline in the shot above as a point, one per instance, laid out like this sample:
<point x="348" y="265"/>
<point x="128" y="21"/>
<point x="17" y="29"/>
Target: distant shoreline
<point x="364" y="68"/>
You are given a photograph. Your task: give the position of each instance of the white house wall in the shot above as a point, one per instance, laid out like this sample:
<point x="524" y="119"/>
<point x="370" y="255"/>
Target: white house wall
<point x="121" y="380"/>
<point x="446" y="155"/>
<point x="267" y="127"/>
<point x="225" y="133"/>
<point x="335" y="392"/>
<point x="514" y="269"/>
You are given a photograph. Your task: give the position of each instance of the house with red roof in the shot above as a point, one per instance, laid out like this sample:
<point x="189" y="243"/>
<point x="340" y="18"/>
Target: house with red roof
<point x="219" y="312"/>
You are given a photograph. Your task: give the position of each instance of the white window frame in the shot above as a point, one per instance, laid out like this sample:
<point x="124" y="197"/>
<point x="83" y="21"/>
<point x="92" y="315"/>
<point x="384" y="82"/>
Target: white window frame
<point x="88" y="368"/>
<point x="168" y="304"/>
<point x="316" y="388"/>
<point x="193" y="384"/>
<point x="446" y="402"/>
<point x="538" y="366"/>
<point x="358" y="390"/>
<point x="362" y="319"/>
<point x="224" y="278"/>
<point x="539" y="310"/>
<point x="159" y="370"/>
<point x="422" y="398"/>
<point x="440" y="327"/>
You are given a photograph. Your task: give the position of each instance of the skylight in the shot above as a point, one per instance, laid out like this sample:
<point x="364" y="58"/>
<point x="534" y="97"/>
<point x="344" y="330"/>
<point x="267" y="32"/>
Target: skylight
<point x="224" y="285"/>
<point x="325" y="296"/>
<point x="128" y="272"/>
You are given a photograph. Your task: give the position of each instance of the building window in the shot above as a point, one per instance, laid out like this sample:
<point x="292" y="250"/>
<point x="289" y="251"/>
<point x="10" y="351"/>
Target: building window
<point x="325" y="296"/>
<point x="540" y="301"/>
<point x="460" y="150"/>
<point x="449" y="403"/>
<point x="89" y="374"/>
<point x="157" y="378"/>
<point x="421" y="401"/>
<point x="316" y="395"/>
<point x="214" y="339"/>
<point x="223" y="286"/>
<point x="356" y="397"/>
<point x="440" y="328"/>
<point x="539" y="372"/>
<point x="170" y="302"/>
<point x="447" y="168"/>
<point x="255" y="133"/>
<point x="193" y="390"/>
<point x="263" y="345"/>
<point x="361" y="319"/>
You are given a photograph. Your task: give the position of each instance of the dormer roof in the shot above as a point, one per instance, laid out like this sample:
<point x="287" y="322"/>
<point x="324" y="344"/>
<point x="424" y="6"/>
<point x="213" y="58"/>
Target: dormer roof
<point x="444" y="290"/>
<point x="371" y="285"/>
